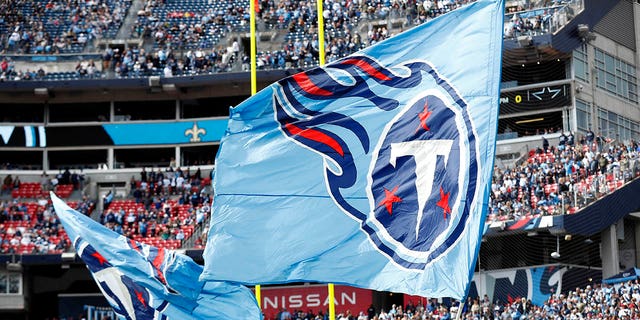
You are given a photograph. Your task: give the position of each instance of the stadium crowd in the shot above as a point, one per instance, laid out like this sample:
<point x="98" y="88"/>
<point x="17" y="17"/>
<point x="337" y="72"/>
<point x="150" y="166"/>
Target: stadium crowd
<point x="563" y="179"/>
<point x="186" y="37"/>
<point x="53" y="27"/>
<point x="595" y="301"/>
<point x="28" y="223"/>
<point x="165" y="209"/>
<point x="136" y="62"/>
<point x="197" y="24"/>
<point x="33" y="227"/>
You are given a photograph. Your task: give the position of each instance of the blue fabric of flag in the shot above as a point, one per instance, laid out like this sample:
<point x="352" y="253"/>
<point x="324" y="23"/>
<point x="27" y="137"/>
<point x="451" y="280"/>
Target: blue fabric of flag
<point x="144" y="282"/>
<point x="371" y="171"/>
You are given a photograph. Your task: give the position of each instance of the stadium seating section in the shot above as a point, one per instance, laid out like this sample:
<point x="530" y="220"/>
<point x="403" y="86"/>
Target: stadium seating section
<point x="156" y="214"/>
<point x="181" y="218"/>
<point x="34" y="190"/>
<point x="53" y="27"/>
<point x="30" y="227"/>
<point x="192" y="37"/>
<point x="192" y="24"/>
<point x="561" y="180"/>
<point x="594" y="301"/>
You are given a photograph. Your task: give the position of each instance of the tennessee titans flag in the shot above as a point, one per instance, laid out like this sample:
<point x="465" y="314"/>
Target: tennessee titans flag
<point x="371" y="171"/>
<point x="144" y="282"/>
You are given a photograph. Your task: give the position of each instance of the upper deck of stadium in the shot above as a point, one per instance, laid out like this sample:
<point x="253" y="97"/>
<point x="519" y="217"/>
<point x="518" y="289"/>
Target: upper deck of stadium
<point x="132" y="39"/>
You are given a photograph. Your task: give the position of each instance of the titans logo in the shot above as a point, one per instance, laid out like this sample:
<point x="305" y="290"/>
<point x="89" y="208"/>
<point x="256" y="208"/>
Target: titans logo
<point x="399" y="148"/>
<point x="129" y="299"/>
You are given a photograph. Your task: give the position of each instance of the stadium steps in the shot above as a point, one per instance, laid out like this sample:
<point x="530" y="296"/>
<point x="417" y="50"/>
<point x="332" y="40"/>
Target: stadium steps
<point x="129" y="20"/>
<point x="190" y="242"/>
<point x="75" y="195"/>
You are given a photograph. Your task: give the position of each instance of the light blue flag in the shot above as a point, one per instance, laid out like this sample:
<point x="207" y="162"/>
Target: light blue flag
<point x="144" y="282"/>
<point x="372" y="171"/>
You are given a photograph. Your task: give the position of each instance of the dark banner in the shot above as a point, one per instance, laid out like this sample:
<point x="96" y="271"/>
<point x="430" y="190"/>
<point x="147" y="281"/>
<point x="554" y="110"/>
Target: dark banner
<point x="535" y="283"/>
<point x="537" y="99"/>
<point x="599" y="215"/>
<point x="84" y="306"/>
<point x="77" y="136"/>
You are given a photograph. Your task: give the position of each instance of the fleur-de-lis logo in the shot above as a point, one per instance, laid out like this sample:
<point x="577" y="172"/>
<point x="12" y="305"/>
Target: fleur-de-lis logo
<point x="195" y="133"/>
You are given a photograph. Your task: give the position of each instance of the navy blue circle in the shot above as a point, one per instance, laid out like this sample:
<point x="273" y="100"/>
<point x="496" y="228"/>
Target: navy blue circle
<point x="448" y="177"/>
<point x="401" y="223"/>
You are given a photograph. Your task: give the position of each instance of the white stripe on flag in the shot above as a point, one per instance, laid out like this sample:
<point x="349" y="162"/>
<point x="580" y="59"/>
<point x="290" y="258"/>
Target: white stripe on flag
<point x="43" y="136"/>
<point x="28" y="136"/>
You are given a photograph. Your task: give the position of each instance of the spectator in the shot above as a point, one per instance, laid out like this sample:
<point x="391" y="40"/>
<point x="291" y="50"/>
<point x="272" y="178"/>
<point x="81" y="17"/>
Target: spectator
<point x="7" y="184"/>
<point x="107" y="199"/>
<point x="590" y="136"/>
<point x="180" y="235"/>
<point x="16" y="183"/>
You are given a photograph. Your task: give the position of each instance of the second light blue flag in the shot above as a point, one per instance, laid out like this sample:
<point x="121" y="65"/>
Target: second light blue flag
<point x="144" y="282"/>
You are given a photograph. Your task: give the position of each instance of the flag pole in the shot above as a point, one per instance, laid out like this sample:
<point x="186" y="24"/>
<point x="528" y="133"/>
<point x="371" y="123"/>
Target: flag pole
<point x="258" y="296"/>
<point x="330" y="286"/>
<point x="252" y="37"/>
<point x="320" y="33"/>
<point x="254" y="84"/>
<point x="321" y="60"/>
<point x="332" y="305"/>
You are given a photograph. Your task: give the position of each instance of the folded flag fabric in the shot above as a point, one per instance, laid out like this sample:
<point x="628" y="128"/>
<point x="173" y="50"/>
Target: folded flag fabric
<point x="371" y="171"/>
<point x="144" y="282"/>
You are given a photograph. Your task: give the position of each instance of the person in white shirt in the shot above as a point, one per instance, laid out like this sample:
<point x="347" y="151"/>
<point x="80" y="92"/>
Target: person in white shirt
<point x="167" y="71"/>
